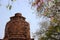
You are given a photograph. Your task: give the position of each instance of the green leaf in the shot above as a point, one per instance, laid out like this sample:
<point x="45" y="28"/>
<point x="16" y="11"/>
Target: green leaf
<point x="9" y="6"/>
<point x="58" y="29"/>
<point x="13" y="0"/>
<point x="55" y="1"/>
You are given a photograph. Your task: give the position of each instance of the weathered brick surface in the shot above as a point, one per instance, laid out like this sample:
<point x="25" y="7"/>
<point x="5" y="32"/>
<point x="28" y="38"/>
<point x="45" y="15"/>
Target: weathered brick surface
<point x="17" y="28"/>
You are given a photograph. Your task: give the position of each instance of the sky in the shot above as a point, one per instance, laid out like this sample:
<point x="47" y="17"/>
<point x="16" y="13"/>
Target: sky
<point x="20" y="6"/>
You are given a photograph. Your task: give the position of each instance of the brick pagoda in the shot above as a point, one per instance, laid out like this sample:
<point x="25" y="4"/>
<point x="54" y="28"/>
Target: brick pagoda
<point x="17" y="28"/>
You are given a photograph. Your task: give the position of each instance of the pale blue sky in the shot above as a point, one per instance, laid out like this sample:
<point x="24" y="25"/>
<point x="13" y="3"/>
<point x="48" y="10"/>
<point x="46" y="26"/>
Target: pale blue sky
<point x="21" y="6"/>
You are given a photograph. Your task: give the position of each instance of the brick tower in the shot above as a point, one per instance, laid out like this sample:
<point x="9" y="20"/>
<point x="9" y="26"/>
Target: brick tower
<point x="17" y="28"/>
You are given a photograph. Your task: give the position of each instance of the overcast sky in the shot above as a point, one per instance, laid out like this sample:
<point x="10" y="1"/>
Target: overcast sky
<point x="21" y="6"/>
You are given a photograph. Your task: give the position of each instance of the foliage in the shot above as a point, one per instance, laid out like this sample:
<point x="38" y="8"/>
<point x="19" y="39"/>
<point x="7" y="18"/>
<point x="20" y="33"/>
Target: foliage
<point x="52" y="33"/>
<point x="9" y="6"/>
<point x="42" y="5"/>
<point x="50" y="10"/>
